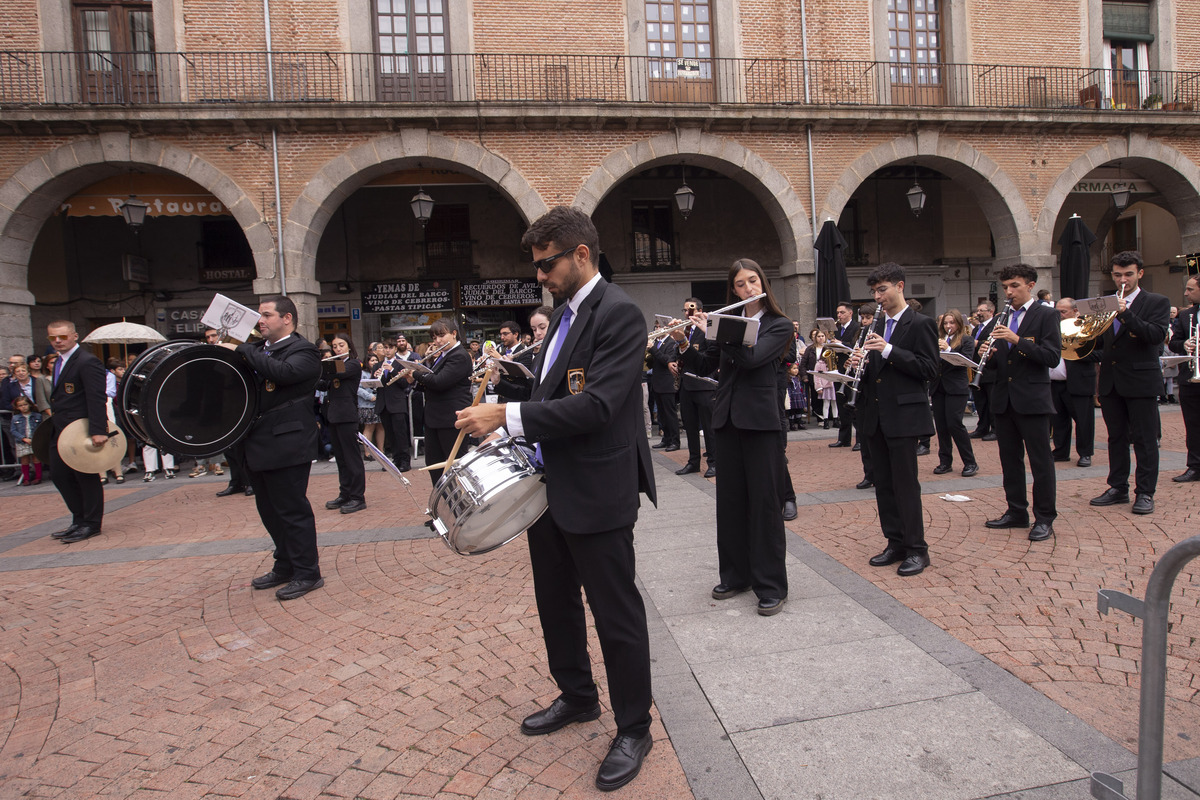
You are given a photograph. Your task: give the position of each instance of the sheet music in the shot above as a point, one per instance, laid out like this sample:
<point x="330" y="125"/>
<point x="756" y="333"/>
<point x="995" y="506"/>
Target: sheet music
<point x="957" y="359"/>
<point x="715" y="321"/>
<point x="836" y="377"/>
<point x="230" y="317"/>
<point x="1173" y="361"/>
<point x="1098" y="305"/>
<point x="700" y="378"/>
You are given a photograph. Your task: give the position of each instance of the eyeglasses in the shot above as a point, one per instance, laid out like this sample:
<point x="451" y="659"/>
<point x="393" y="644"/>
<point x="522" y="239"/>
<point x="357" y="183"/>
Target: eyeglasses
<point x="59" y="337"/>
<point x="546" y="264"/>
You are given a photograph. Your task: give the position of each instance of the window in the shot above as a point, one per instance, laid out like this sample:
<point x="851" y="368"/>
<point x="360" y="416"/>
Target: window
<point x="653" y="237"/>
<point x="448" y="242"/>
<point x="915" y="51"/>
<point x="411" y="38"/>
<point x="679" y="42"/>
<point x="116" y="38"/>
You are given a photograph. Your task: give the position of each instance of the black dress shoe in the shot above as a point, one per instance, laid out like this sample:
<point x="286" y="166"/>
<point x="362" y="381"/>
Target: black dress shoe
<point x="688" y="469"/>
<point x="404" y="466"/>
<point x="1143" y="504"/>
<point x="268" y="581"/>
<point x="296" y="589"/>
<point x="1007" y="520"/>
<point x="969" y="470"/>
<point x="711" y="472"/>
<point x="856" y="448"/>
<point x="1084" y="461"/>
<point x="1188" y="476"/>
<point x="249" y="491"/>
<point x="922" y="450"/>
<point x="558" y="715"/>
<point x="770" y="606"/>
<point x="337" y="502"/>
<point x="623" y="762"/>
<point x="890" y="555"/>
<point x="88" y="531"/>
<point x="990" y="437"/>
<point x="723" y="591"/>
<point x="659" y="446"/>
<point x="838" y="444"/>
<point x="64" y="534"/>
<point x="789" y="510"/>
<point x="1040" y="532"/>
<point x="230" y="489"/>
<point x="942" y="469"/>
<point x="913" y="565"/>
<point x="1062" y="458"/>
<point x="1111" y="497"/>
<point x="977" y="434"/>
<point x="671" y="448"/>
<point x="351" y="506"/>
<point x="864" y="484"/>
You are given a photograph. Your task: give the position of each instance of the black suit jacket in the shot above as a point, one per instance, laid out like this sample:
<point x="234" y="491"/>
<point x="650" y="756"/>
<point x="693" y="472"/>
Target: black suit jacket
<point x="518" y="389"/>
<point x="587" y="414"/>
<point x="392" y="399"/>
<point x="663" y="353"/>
<point x="849" y="337"/>
<point x="1021" y="372"/>
<point x="284" y="434"/>
<point x="80" y="394"/>
<point x="341" y="394"/>
<point x="988" y="377"/>
<point x="951" y="379"/>
<point x="1129" y="359"/>
<point x="447" y="389"/>
<point x="747" y="388"/>
<point x="1081" y="375"/>
<point x="1180" y="326"/>
<point x="894" y="399"/>
<point x="691" y="359"/>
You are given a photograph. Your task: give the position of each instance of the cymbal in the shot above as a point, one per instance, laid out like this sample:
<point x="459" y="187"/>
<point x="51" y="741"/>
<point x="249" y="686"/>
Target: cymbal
<point x="77" y="451"/>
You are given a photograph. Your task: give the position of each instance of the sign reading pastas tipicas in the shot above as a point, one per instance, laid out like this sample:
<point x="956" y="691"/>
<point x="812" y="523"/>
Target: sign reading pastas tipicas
<point x="408" y="296"/>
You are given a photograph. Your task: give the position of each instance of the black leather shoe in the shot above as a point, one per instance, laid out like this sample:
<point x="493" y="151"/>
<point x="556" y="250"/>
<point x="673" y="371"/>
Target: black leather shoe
<point x="913" y="565"/>
<point x="990" y="437"/>
<point x="558" y="715"/>
<point x="864" y="484"/>
<point x="838" y="444"/>
<point x="1143" y="504"/>
<point x="856" y="448"/>
<point x="1062" y="458"/>
<point x="770" y="606"/>
<point x="942" y="469"/>
<point x="922" y="450"/>
<point x="1040" y="532"/>
<point x="296" y="589"/>
<point x="405" y="466"/>
<point x="1111" y="497"/>
<point x="1084" y="461"/>
<point x="268" y="581"/>
<point x="230" y="489"/>
<point x="977" y="434"/>
<point x="659" y="446"/>
<point x="970" y="470"/>
<point x="87" y="532"/>
<point x="688" y="469"/>
<point x="623" y="762"/>
<point x="724" y="591"/>
<point x="64" y="534"/>
<point x="337" y="502"/>
<point x="711" y="472"/>
<point x="671" y="448"/>
<point x="249" y="491"/>
<point x="351" y="506"/>
<point x="890" y="555"/>
<point x="1188" y="476"/>
<point x="1007" y="520"/>
<point x="789" y="510"/>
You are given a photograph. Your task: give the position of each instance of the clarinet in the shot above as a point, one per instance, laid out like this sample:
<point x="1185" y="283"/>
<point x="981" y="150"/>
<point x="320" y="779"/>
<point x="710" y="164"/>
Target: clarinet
<point x="986" y="350"/>
<point x="852" y="387"/>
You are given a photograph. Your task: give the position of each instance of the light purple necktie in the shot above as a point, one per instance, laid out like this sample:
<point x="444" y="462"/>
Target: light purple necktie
<point x="887" y="331"/>
<point x="564" y="326"/>
<point x="57" y="369"/>
<point x="1016" y="320"/>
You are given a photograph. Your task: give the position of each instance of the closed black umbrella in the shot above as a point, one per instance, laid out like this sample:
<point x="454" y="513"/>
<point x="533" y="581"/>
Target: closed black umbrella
<point x="833" y="285"/>
<point x="1075" y="259"/>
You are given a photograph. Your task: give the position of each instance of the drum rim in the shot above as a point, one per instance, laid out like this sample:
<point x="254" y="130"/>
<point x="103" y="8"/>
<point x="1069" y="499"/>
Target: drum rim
<point x="245" y="419"/>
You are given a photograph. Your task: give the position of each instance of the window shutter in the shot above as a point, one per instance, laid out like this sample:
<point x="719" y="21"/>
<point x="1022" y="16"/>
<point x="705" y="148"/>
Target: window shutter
<point x="1127" y="21"/>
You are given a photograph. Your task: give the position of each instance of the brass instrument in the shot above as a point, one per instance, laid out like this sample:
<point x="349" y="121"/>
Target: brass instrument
<point x="1079" y="334"/>
<point x="856" y="378"/>
<point x="428" y="357"/>
<point x="830" y="359"/>
<point x="986" y="350"/>
<point x="513" y="356"/>
<point x="661" y="332"/>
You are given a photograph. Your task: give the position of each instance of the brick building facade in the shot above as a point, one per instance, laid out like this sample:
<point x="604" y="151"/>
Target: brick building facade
<point x="1010" y="117"/>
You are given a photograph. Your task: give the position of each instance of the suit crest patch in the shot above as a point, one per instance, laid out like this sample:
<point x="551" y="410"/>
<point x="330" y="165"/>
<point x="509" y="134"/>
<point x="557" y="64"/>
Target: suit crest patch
<point x="696" y="347"/>
<point x="269" y="386"/>
<point x="336" y="383"/>
<point x="575" y="381"/>
<point x="69" y="388"/>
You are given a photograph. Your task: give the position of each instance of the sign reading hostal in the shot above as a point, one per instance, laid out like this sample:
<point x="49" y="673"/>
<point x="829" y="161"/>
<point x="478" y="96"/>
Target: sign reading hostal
<point x="408" y="296"/>
<point x="500" y="292"/>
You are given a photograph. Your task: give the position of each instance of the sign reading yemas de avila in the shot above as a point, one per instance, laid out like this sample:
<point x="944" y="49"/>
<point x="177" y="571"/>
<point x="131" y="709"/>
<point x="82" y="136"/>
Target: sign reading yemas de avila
<point x="408" y="296"/>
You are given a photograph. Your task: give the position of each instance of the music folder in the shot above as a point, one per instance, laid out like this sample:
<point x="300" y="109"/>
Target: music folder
<point x="730" y="329"/>
<point x="512" y="369"/>
<point x="957" y="359"/>
<point x="826" y="324"/>
<point x="700" y="378"/>
<point x="1173" y="361"/>
<point x="333" y="366"/>
<point x="836" y="377"/>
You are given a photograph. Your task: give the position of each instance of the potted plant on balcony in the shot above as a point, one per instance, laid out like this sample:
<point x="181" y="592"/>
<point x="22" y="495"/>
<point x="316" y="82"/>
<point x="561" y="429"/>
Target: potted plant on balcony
<point x="1153" y="102"/>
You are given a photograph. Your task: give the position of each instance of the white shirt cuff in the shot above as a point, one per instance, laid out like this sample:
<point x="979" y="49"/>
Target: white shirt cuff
<point x="512" y="419"/>
<point x="887" y="351"/>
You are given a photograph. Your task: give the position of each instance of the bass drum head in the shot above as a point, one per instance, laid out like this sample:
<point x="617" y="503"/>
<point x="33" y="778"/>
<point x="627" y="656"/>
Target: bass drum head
<point x="188" y="398"/>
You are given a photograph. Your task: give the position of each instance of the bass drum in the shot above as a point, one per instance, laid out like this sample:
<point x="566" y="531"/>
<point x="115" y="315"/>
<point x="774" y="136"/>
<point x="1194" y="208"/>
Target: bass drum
<point x="188" y="398"/>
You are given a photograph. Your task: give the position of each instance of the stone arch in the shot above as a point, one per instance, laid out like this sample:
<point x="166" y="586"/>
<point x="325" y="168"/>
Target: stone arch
<point x="727" y="157"/>
<point x="997" y="194"/>
<point x="1176" y="177"/>
<point x="339" y="178"/>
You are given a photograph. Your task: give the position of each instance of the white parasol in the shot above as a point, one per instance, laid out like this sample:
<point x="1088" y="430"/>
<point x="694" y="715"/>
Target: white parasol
<point x="124" y="333"/>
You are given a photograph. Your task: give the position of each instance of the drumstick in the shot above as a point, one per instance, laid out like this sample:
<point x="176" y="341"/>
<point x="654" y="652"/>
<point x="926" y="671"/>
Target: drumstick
<point x="449" y="462"/>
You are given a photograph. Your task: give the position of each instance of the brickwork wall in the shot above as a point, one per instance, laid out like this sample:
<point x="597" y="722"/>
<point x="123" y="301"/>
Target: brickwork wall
<point x="839" y="30"/>
<point x="560" y="27"/>
<point x="1025" y="32"/>
<point x="213" y="25"/>
<point x="1187" y="36"/>
<point x="20" y="25"/>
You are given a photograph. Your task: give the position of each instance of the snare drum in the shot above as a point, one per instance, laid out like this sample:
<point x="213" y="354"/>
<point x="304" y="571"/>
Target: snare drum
<point x="488" y="498"/>
<point x="187" y="398"/>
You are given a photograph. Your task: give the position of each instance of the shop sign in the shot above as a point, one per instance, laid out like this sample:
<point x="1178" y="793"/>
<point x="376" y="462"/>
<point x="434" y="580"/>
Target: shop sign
<point x="1110" y="185"/>
<point x="220" y="274"/>
<point x="332" y="309"/>
<point x="408" y="296"/>
<point x="500" y="292"/>
<point x="184" y="322"/>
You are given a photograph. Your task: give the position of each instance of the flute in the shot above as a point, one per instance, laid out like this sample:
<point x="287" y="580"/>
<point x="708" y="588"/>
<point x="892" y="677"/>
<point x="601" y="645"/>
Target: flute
<point x="661" y="332"/>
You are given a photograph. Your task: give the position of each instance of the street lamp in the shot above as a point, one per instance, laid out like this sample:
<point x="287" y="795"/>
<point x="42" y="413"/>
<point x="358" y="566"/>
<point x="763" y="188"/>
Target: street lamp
<point x="134" y="211"/>
<point x="916" y="198"/>
<point x="1122" y="194"/>
<point x="685" y="198"/>
<point x="422" y="206"/>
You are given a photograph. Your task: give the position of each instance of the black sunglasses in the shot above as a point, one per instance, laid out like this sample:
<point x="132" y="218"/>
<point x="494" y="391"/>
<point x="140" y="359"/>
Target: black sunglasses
<point x="546" y="264"/>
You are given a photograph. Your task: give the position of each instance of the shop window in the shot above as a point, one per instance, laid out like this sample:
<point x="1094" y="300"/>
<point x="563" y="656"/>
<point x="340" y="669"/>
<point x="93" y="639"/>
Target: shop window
<point x="412" y="41"/>
<point x="653" y="237"/>
<point x="115" y="39"/>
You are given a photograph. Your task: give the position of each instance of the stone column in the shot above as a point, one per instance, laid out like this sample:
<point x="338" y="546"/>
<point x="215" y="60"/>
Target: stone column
<point x="16" y="325"/>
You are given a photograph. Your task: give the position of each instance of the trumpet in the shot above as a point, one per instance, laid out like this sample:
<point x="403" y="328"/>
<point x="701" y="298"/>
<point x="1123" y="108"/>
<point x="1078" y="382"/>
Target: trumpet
<point x="986" y="350"/>
<point x="856" y="379"/>
<point x="426" y="359"/>
<point x="661" y="332"/>
<point x="513" y="356"/>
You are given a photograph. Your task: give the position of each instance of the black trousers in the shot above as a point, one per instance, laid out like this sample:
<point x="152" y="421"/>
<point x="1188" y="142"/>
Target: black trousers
<point x="1068" y="409"/>
<point x="1189" y="404"/>
<point x="281" y="497"/>
<point x="1018" y="434"/>
<point x="1131" y="420"/>
<point x="603" y="565"/>
<point x="948" y="410"/>
<point x="846" y="415"/>
<point x="352" y="475"/>
<point x="897" y="490"/>
<point x="696" y="410"/>
<point x="438" y="443"/>
<point x="81" y="491"/>
<point x="235" y="457"/>
<point x="983" y="408"/>
<point x="751" y="540"/>
<point x="397" y="424"/>
<point x="668" y="417"/>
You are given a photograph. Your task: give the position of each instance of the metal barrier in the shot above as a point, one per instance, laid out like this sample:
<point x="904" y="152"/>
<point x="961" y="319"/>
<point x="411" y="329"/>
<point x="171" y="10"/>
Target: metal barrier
<point x="1153" y="613"/>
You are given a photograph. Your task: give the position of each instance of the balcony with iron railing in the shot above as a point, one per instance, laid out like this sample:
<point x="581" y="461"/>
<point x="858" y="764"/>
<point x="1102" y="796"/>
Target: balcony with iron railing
<point x="40" y="79"/>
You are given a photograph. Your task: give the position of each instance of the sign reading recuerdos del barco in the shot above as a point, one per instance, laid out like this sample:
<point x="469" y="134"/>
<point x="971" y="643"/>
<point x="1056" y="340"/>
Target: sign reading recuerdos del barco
<point x="408" y="296"/>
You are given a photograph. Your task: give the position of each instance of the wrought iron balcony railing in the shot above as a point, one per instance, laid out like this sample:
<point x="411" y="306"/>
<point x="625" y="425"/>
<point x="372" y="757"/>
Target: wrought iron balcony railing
<point x="32" y="78"/>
